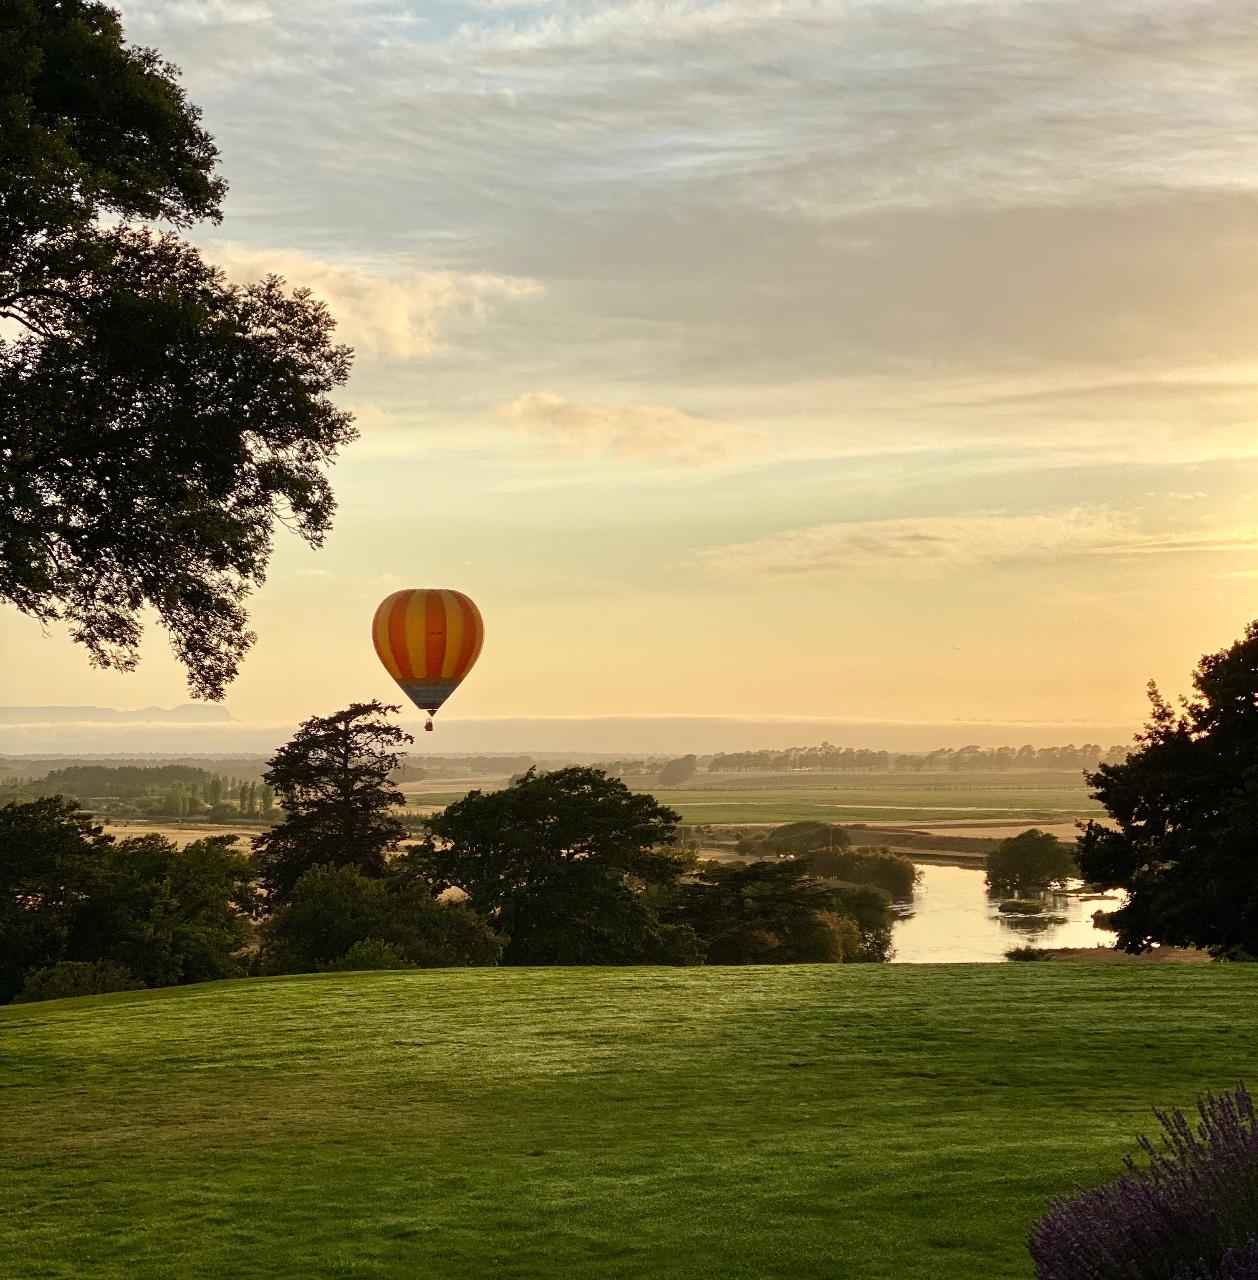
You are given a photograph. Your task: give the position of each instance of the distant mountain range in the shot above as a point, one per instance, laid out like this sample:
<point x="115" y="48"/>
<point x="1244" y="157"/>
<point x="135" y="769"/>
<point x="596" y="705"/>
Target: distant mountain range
<point x="188" y="713"/>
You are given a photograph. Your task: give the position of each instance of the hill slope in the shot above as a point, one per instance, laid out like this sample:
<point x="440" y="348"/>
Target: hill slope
<point x="845" y="1122"/>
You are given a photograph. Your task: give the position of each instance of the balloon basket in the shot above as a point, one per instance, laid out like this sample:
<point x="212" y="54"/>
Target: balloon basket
<point x="428" y="725"/>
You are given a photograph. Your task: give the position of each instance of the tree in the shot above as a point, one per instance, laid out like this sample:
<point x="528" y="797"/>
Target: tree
<point x="797" y="838"/>
<point x="333" y="910"/>
<point x="168" y="915"/>
<point x="332" y="781"/>
<point x="48" y="853"/>
<point x="775" y="913"/>
<point x="1033" y="859"/>
<point x="569" y="864"/>
<point x="877" y="866"/>
<point x="678" y="771"/>
<point x="68" y="892"/>
<point x="156" y="422"/>
<point x="1185" y="809"/>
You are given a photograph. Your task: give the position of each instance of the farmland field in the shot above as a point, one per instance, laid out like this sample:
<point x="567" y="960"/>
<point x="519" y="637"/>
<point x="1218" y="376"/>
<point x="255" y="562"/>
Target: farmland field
<point x="911" y="798"/>
<point x="847" y="1122"/>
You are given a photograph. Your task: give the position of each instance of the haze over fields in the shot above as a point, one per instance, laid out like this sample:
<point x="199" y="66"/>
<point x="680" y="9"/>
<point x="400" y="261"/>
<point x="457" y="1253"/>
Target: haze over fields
<point x="875" y="362"/>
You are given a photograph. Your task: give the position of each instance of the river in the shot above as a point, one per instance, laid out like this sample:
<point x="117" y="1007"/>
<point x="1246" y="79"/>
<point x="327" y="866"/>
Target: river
<point x="953" y="919"/>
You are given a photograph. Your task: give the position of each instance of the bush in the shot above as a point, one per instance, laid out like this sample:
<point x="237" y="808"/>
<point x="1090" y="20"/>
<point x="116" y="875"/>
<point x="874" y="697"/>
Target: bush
<point x="1033" y="860"/>
<point x="1027" y="953"/>
<point x="890" y="871"/>
<point x="1020" y="907"/>
<point x="76" y="978"/>
<point x="371" y="953"/>
<point x="223" y="813"/>
<point x="1191" y="1214"/>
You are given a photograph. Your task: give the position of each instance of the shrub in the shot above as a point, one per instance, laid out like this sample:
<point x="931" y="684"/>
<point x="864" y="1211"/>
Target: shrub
<point x="1027" y="953"/>
<point x="1190" y="1214"/>
<point x="76" y="978"/>
<point x="1020" y="907"/>
<point x="371" y="953"/>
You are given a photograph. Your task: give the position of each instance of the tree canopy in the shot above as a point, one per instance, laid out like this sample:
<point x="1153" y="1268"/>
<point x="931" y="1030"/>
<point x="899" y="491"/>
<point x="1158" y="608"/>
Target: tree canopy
<point x="156" y="422"/>
<point x="777" y="913"/>
<point x="1185" y="809"/>
<point x="332" y="781"/>
<point x="1032" y="859"/>
<point x="69" y="893"/>
<point x="333" y="910"/>
<point x="568" y="864"/>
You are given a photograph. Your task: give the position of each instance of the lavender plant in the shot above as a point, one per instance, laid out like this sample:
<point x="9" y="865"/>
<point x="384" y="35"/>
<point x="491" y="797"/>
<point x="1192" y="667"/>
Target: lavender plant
<point x="1190" y="1213"/>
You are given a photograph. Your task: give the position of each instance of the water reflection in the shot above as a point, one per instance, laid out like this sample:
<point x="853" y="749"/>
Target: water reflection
<point x="953" y="919"/>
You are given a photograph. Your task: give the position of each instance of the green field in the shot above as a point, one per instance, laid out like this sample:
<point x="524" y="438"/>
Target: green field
<point x="872" y="801"/>
<point x="827" y="1122"/>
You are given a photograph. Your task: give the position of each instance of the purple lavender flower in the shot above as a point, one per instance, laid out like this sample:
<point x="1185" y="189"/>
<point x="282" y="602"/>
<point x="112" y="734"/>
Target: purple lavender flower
<point x="1190" y="1214"/>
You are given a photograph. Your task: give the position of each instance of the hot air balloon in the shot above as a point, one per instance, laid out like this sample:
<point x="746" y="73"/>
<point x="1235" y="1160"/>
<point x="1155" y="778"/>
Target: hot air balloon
<point x="428" y="640"/>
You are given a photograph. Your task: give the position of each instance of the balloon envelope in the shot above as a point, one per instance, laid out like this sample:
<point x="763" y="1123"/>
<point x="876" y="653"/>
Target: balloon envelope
<point x="428" y="640"/>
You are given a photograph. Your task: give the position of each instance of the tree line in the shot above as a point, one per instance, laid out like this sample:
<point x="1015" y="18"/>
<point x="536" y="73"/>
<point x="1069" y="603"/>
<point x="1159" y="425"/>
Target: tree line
<point x="562" y="867"/>
<point x="161" y="791"/>
<point x="829" y="758"/>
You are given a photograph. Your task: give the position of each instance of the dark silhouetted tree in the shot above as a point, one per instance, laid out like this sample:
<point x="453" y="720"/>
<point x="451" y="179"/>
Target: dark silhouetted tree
<point x="48" y="858"/>
<point x="1033" y="859"/>
<point x="569" y="864"/>
<point x="776" y="913"/>
<point x="331" y="910"/>
<point x="69" y="893"/>
<point x="332" y="781"/>
<point x="156" y="422"/>
<point x="1185" y="808"/>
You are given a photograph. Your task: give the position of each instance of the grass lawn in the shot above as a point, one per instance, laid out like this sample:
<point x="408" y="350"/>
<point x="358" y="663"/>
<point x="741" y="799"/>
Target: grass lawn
<point x="825" y="1122"/>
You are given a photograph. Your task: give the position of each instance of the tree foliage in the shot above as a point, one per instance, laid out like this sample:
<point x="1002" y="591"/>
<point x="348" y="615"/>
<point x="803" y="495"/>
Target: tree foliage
<point x="155" y="420"/>
<point x="677" y="771"/>
<point x="1032" y="859"/>
<point x="892" y="872"/>
<point x="332" y="781"/>
<point x="334" y="912"/>
<point x="70" y="893"/>
<point x="1185" y="809"/>
<point x="795" y="838"/>
<point x="776" y="913"/>
<point x="569" y="864"/>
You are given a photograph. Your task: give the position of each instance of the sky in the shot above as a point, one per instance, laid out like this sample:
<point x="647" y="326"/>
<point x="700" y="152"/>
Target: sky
<point x="839" y="359"/>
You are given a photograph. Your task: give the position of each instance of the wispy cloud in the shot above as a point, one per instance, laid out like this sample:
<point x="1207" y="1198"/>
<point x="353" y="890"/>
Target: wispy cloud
<point x="929" y="547"/>
<point x="636" y="432"/>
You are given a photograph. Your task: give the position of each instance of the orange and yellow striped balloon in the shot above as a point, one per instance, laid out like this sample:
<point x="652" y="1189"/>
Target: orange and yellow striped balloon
<point x="428" y="640"/>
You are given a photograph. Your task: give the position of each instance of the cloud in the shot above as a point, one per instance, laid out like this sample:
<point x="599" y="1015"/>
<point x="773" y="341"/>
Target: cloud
<point x="928" y="547"/>
<point x="637" y="432"/>
<point x="403" y="315"/>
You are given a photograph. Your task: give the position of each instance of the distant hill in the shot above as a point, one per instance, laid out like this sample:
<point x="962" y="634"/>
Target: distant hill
<point x="188" y="713"/>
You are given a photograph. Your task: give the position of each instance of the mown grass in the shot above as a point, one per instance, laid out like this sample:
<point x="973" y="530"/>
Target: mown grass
<point x="828" y="1121"/>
